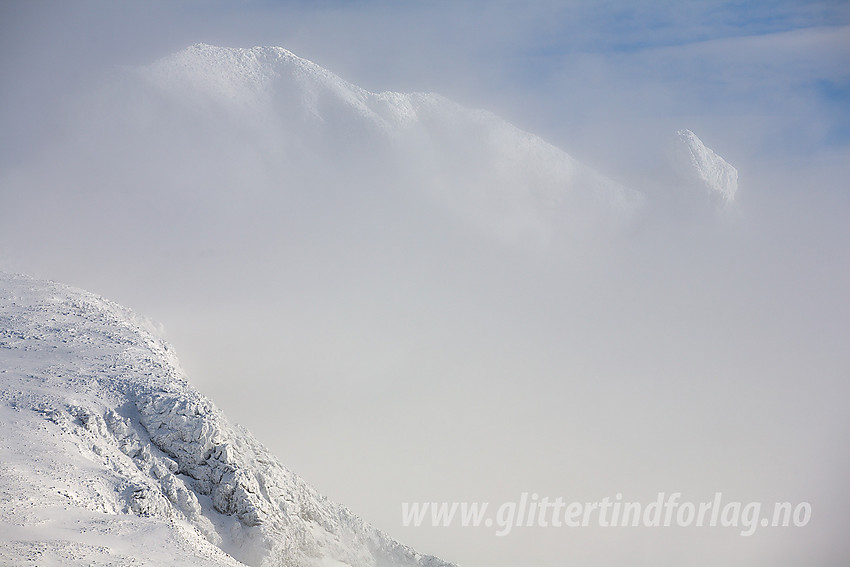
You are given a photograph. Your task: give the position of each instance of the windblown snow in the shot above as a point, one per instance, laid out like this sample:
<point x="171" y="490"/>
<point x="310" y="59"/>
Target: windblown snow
<point x="109" y="457"/>
<point x="481" y="170"/>
<point x="716" y="175"/>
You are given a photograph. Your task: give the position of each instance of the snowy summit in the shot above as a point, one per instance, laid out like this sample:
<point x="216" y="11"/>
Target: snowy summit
<point x="478" y="168"/>
<point x="110" y="457"/>
<point x="715" y="174"/>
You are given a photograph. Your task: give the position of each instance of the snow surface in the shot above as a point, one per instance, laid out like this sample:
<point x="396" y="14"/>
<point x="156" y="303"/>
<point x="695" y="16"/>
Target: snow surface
<point x="508" y="183"/>
<point x="109" y="457"/>
<point x="714" y="173"/>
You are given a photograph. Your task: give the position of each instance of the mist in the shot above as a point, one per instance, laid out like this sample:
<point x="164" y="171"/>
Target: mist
<point x="422" y="319"/>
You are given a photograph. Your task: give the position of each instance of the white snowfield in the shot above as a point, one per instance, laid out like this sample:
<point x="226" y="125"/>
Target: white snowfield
<point x="716" y="175"/>
<point x="109" y="457"/>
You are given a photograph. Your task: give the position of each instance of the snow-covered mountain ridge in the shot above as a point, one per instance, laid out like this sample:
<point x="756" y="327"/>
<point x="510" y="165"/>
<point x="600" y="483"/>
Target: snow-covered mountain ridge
<point x="108" y="452"/>
<point x="510" y="184"/>
<point x="245" y="77"/>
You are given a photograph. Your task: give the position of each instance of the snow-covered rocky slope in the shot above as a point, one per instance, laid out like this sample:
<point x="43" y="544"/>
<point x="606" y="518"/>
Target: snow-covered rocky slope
<point x="702" y="166"/>
<point x="109" y="457"/>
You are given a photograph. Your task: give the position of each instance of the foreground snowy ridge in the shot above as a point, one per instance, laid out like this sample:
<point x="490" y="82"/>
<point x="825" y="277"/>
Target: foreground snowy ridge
<point x="110" y="457"/>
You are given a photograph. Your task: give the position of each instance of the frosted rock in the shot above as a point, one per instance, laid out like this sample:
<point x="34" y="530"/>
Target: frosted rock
<point x="718" y="177"/>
